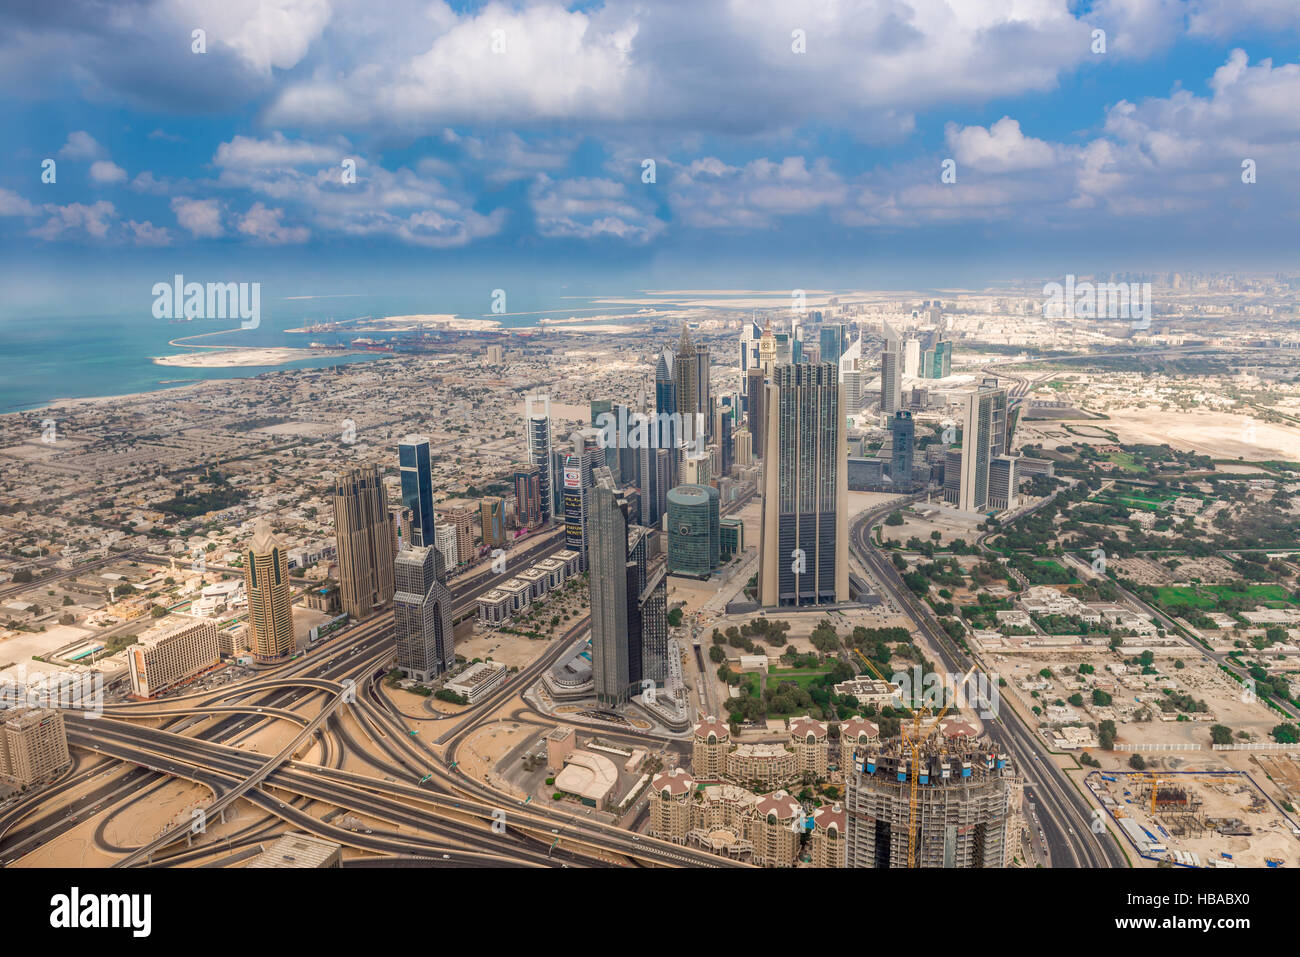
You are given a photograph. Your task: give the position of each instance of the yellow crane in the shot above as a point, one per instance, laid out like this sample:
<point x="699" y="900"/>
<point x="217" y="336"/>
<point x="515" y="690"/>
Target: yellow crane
<point x="913" y="744"/>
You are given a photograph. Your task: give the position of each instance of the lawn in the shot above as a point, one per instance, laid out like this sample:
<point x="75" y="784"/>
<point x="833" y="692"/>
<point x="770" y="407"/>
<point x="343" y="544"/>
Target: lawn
<point x="1210" y="595"/>
<point x="802" y="677"/>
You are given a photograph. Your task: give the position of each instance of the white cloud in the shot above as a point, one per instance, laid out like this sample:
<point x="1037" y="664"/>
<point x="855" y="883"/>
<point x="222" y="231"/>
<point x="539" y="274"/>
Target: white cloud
<point x="11" y="204"/>
<point x="244" y="152"/>
<point x="200" y="217"/>
<point x="107" y="173"/>
<point x="1002" y="148"/>
<point x="264" y="34"/>
<point x="77" y="220"/>
<point x="147" y="234"/>
<point x="81" y="146"/>
<point x="264" y="225"/>
<point x="590" y="208"/>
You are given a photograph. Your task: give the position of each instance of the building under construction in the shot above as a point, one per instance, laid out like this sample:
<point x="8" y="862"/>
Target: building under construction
<point x="962" y="805"/>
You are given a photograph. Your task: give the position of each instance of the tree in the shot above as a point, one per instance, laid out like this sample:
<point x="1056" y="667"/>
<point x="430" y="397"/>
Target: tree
<point x="1286" y="734"/>
<point x="1076" y="699"/>
<point x="717" y="655"/>
<point x="1100" y="698"/>
<point x="895" y="518"/>
<point x="1136" y="763"/>
<point x="1220" y="734"/>
<point x="1106" y="735"/>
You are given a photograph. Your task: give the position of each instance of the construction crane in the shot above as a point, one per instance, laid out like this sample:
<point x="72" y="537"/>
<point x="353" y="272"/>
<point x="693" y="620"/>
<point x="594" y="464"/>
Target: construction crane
<point x="913" y="743"/>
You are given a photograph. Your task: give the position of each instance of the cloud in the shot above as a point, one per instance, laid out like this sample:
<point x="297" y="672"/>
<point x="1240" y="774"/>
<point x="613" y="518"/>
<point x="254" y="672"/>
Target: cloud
<point x="11" y="204"/>
<point x="264" y="34"/>
<point x="249" y="153"/>
<point x="81" y="146"/>
<point x="264" y="225"/>
<point x="77" y="220"/>
<point x="200" y="217"/>
<point x="147" y="234"/>
<point x="107" y="173"/>
<point x="708" y="193"/>
<point x="1002" y="148"/>
<point x="590" y="208"/>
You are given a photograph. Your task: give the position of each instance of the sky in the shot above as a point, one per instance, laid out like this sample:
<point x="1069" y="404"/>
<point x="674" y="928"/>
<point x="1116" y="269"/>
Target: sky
<point x="795" y="144"/>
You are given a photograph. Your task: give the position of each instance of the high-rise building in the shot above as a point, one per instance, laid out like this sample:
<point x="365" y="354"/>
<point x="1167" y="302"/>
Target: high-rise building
<point x="266" y="583"/>
<point x="697" y="469"/>
<point x="803" y="540"/>
<point x="963" y="803"/>
<point x="461" y="515"/>
<point x="33" y="745"/>
<point x="691" y="372"/>
<point x="402" y="522"/>
<point x="984" y="433"/>
<point x="607" y="565"/>
<point x="538" y="426"/>
<point x="834" y="340"/>
<point x="445" y="537"/>
<point x="365" y="544"/>
<point x="422" y="614"/>
<point x="912" y="358"/>
<point x="416" y="466"/>
<point x="767" y="349"/>
<point x="891" y="379"/>
<point x="492" y="519"/>
<point x="528" y="496"/>
<point x="903" y="436"/>
<point x="937" y="362"/>
<point x="171" y="654"/>
<point x="755" y="408"/>
<point x="750" y="335"/>
<point x="1002" y="483"/>
<point x="694" y="541"/>
<point x="744" y="447"/>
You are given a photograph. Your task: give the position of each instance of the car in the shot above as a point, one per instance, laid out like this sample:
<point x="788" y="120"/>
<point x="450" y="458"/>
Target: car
<point x="281" y="804"/>
<point x="446" y="857"/>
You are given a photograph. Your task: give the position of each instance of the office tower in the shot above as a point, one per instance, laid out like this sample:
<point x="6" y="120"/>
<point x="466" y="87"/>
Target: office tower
<point x="938" y="361"/>
<point x="495" y="357"/>
<point x="756" y="408"/>
<point x="266" y="583"/>
<point x="33" y="745"/>
<point x="744" y="448"/>
<point x="422" y="614"/>
<point x="445" y="537"/>
<point x="952" y="477"/>
<point x="796" y="345"/>
<point x="402" y="522"/>
<point x="528" y="496"/>
<point x="667" y="436"/>
<point x="750" y="335"/>
<point x="722" y="419"/>
<point x="665" y="479"/>
<point x="558" y="457"/>
<point x="170" y="655"/>
<point x="461" y="516"/>
<point x="834" y="340"/>
<point x="694" y="539"/>
<point x="783" y="356"/>
<point x="963" y="803"/>
<point x="605" y="407"/>
<point x="691" y="372"/>
<point x="803" y="541"/>
<point x="578" y="470"/>
<point x="767" y="349"/>
<point x="365" y="545"/>
<point x="1002" y="483"/>
<point x="626" y="457"/>
<point x="416" y="467"/>
<point x="903" y="433"/>
<point x="891" y="380"/>
<point x="608" y="581"/>
<point x="492" y="520"/>
<point x="983" y="439"/>
<point x="696" y="469"/>
<point x="912" y="358"/>
<point x="540" y="455"/>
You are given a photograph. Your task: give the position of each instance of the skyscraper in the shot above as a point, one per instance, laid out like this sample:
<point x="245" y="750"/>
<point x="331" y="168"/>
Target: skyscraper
<point x="422" y="614"/>
<point x="538" y="426"/>
<point x="608" y="582"/>
<point x="834" y="337"/>
<point x="492" y="520"/>
<point x="983" y="439"/>
<point x="912" y="358"/>
<point x="694" y="542"/>
<point x="270" y="605"/>
<point x="750" y="334"/>
<point x="903" y="433"/>
<point x="756" y="408"/>
<point x="365" y="542"/>
<point x="667" y="436"/>
<point x="415" y="464"/>
<point x="528" y="496"/>
<point x="691" y="371"/>
<point x="891" y="378"/>
<point x="803" y="540"/>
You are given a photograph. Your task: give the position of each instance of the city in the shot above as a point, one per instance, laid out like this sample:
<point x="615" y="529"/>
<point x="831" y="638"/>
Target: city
<point x="573" y="489"/>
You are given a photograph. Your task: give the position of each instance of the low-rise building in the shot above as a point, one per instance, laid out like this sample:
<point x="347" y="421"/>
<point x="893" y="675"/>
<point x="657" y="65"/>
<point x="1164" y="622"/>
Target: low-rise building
<point x="172" y="654"/>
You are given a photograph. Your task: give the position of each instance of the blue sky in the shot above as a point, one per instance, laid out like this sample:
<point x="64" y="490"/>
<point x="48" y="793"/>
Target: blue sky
<point x="504" y="142"/>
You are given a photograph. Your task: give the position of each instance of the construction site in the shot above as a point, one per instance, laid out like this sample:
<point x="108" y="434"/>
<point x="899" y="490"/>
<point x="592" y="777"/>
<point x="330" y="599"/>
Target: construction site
<point x="1197" y="818"/>
<point x="929" y="803"/>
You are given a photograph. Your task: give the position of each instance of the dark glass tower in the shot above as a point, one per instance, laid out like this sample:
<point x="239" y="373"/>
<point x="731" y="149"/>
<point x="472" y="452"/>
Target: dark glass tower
<point x="416" y="466"/>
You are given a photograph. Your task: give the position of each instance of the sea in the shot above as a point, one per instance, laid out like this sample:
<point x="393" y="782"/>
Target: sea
<point x="94" y="355"/>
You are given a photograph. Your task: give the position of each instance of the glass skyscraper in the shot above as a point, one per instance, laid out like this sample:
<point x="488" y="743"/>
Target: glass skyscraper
<point x="416" y="466"/>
